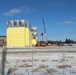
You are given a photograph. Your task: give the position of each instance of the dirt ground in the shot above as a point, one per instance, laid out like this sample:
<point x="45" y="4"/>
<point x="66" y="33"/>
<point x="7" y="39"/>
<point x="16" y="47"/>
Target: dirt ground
<point x="41" y="63"/>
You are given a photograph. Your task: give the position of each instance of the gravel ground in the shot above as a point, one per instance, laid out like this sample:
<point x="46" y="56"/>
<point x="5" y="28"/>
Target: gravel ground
<point x="41" y="63"/>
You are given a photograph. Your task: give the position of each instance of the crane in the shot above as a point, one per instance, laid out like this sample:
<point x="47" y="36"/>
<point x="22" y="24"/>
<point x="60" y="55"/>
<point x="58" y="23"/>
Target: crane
<point x="44" y="29"/>
<point x="43" y="25"/>
<point x="43" y="34"/>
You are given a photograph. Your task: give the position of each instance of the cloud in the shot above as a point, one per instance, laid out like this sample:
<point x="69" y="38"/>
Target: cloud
<point x="74" y="32"/>
<point x="28" y="10"/>
<point x="22" y="9"/>
<point x="12" y="12"/>
<point x="67" y="22"/>
<point x="74" y="18"/>
<point x="59" y="23"/>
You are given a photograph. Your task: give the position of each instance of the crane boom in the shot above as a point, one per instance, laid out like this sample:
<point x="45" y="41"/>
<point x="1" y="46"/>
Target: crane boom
<point x="44" y="25"/>
<point x="44" y="30"/>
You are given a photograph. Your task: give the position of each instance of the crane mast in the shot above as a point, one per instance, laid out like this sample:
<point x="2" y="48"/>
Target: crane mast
<point x="44" y="29"/>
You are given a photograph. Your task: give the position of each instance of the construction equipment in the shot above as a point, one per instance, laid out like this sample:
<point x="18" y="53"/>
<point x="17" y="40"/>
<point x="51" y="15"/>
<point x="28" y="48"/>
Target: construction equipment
<point x="44" y="29"/>
<point x="40" y="44"/>
<point x="43" y="35"/>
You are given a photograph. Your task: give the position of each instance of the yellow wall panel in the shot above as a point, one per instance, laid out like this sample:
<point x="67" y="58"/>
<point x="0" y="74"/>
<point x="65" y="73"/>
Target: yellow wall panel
<point x="18" y="37"/>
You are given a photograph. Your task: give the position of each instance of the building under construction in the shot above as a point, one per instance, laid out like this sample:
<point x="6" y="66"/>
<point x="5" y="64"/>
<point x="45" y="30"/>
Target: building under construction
<point x="34" y="35"/>
<point x="21" y="34"/>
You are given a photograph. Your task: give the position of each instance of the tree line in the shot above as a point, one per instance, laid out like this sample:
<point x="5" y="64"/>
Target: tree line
<point x="67" y="41"/>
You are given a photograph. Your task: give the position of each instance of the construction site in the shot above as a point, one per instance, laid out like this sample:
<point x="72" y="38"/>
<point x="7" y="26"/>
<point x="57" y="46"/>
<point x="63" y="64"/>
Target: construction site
<point x="24" y="55"/>
<point x="38" y="37"/>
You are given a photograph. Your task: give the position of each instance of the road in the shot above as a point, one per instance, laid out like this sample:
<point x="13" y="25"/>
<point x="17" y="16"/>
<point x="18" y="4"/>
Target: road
<point x="41" y="49"/>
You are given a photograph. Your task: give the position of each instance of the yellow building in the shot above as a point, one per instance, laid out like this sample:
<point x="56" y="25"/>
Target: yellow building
<point x="19" y="33"/>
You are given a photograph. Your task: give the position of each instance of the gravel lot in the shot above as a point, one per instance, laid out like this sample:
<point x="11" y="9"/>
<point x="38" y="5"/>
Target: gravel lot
<point x="41" y="63"/>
